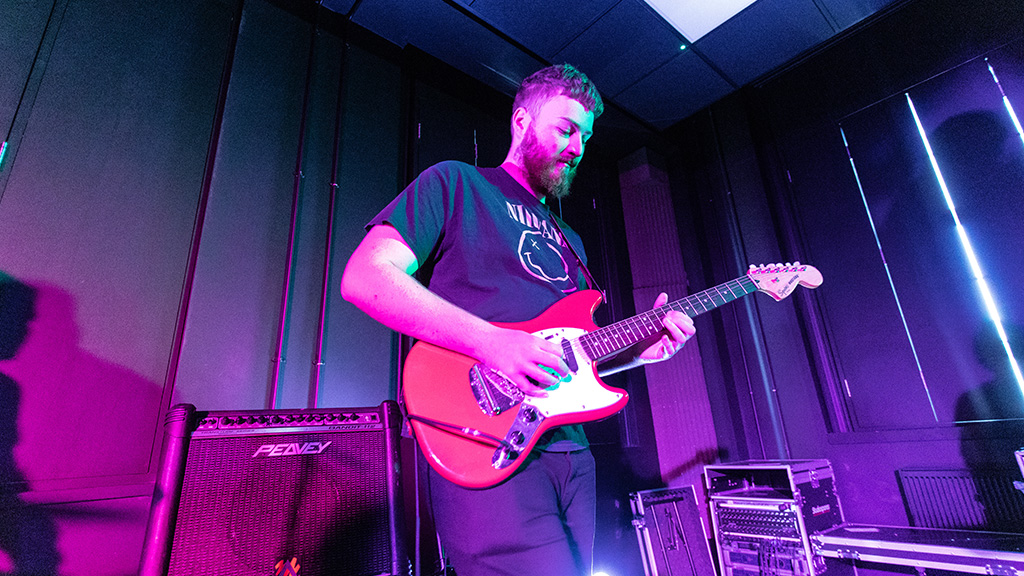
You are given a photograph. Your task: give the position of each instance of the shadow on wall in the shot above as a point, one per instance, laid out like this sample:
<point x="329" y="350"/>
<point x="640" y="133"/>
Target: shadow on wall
<point x="66" y="414"/>
<point x="990" y="418"/>
<point x="27" y="533"/>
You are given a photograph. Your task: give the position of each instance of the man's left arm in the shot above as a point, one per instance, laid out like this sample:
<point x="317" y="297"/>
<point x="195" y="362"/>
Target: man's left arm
<point x="678" y="329"/>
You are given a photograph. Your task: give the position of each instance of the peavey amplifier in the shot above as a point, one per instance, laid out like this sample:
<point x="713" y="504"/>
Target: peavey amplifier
<point x="763" y="512"/>
<point x="277" y="492"/>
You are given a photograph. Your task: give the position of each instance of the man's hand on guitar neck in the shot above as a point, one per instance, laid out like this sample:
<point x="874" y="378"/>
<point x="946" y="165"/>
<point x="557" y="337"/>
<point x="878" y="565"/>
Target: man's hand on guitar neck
<point x="679" y="328"/>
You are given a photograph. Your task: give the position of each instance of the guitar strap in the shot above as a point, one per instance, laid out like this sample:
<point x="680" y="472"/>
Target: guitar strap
<point x="591" y="282"/>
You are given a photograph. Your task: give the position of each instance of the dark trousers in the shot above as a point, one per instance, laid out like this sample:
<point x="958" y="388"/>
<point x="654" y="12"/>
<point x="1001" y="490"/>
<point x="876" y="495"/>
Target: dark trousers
<point x="539" y="522"/>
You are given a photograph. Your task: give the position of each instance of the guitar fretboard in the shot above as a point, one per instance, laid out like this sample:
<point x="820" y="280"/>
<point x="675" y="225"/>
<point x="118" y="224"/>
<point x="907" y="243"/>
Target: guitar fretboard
<point x="614" y="338"/>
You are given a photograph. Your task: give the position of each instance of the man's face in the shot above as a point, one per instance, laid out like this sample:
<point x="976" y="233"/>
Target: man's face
<point x="553" y="144"/>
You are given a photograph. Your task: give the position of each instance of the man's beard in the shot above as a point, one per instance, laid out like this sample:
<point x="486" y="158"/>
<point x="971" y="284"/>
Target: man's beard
<point x="540" y="169"/>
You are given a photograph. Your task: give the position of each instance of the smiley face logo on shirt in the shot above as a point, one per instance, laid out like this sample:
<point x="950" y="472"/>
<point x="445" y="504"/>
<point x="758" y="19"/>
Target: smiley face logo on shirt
<point x="542" y="258"/>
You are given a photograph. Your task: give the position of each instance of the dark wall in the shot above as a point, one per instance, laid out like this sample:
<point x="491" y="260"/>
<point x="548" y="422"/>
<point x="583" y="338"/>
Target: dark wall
<point x="745" y="166"/>
<point x="146" y="238"/>
<point x="146" y="203"/>
<point x="108" y="110"/>
<point x="150" y="235"/>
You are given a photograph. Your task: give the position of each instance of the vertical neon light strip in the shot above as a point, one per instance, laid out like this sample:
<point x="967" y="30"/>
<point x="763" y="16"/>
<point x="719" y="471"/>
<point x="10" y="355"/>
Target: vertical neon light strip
<point x="999" y="325"/>
<point x="892" y="285"/>
<point x="1006" y="102"/>
<point x="3" y="152"/>
<point x="979" y="276"/>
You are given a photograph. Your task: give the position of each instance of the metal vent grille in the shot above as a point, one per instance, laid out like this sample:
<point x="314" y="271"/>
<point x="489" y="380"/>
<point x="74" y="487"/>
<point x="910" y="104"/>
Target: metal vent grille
<point x="960" y="499"/>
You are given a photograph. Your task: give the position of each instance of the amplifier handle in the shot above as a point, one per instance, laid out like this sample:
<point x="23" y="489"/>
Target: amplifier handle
<point x="163" y="511"/>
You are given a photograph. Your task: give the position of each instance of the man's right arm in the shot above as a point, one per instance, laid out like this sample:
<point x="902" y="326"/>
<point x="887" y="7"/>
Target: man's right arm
<point x="378" y="280"/>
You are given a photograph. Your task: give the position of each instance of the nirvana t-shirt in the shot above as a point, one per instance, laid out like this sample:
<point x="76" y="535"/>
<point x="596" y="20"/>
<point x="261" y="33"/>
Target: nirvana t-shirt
<point x="487" y="245"/>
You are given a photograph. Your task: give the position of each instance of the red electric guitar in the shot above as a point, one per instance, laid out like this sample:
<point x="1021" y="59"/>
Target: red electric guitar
<point x="476" y="427"/>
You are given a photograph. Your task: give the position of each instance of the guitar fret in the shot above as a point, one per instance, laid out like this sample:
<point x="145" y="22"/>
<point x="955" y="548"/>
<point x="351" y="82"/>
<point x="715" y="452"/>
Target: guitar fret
<point x="717" y="292"/>
<point x="616" y="337"/>
<point x="619" y="336"/>
<point x="696" y="301"/>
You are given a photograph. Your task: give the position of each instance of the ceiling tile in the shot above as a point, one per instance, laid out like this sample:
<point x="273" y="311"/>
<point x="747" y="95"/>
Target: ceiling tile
<point x="764" y="36"/>
<point x="629" y="50"/>
<point x="544" y="26"/>
<point x="624" y="45"/>
<point x="846" y="13"/>
<point x="450" y="36"/>
<point x="339" y="6"/>
<point x="674" y="91"/>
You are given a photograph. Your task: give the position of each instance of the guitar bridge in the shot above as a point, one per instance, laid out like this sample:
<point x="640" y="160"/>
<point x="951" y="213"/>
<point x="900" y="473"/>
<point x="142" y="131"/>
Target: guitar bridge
<point x="493" y="391"/>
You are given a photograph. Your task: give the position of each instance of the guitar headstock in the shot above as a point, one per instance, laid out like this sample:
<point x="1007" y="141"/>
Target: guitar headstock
<point x="779" y="280"/>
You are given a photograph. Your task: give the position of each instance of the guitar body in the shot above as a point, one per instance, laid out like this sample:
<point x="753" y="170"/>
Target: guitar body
<point x="476" y="427"/>
<point x="458" y="435"/>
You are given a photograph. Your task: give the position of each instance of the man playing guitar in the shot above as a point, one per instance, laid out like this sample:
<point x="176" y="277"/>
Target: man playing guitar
<point x="486" y="249"/>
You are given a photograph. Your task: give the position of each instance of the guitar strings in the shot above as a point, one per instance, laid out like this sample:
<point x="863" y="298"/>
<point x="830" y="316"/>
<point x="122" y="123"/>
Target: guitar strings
<point x="604" y="341"/>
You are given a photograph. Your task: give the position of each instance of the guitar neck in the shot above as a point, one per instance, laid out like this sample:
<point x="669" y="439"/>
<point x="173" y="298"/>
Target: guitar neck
<point x="614" y="338"/>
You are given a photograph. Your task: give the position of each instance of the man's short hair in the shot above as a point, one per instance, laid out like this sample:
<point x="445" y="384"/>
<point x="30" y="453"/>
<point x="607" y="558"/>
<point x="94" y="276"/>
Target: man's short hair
<point x="557" y="80"/>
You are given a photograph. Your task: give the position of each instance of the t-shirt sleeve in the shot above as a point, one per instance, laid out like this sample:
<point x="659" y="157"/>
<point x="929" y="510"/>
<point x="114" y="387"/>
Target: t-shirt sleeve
<point x="419" y="212"/>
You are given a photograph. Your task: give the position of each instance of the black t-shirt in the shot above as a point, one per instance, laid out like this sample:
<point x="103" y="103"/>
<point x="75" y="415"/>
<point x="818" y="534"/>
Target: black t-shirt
<point x="487" y="245"/>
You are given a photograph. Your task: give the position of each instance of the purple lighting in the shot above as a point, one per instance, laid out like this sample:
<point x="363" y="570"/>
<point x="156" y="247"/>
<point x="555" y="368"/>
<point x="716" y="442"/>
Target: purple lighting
<point x="1006" y="102"/>
<point x="979" y="275"/>
<point x="892" y="285"/>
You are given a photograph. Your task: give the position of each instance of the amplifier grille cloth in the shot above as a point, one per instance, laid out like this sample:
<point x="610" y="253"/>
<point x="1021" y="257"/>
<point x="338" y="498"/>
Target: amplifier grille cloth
<point x="328" y="510"/>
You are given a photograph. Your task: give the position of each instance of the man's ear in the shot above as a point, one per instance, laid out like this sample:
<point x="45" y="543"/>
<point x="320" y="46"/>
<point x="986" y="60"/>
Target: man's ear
<point x="520" y="122"/>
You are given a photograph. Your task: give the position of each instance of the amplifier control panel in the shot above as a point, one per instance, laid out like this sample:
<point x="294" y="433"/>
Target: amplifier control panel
<point x="284" y="418"/>
<point x="757" y="519"/>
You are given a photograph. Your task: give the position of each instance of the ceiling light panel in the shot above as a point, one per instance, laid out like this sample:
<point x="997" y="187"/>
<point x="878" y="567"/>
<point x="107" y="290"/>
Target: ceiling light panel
<point x="695" y="18"/>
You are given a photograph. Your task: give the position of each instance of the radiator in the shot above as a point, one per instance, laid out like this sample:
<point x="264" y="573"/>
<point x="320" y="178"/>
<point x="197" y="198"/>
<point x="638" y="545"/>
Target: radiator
<point x="960" y="499"/>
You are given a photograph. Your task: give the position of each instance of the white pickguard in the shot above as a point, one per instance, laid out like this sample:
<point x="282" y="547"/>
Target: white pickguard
<point x="581" y="391"/>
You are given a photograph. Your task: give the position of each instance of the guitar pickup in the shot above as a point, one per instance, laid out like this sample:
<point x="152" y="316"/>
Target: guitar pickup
<point x="569" y="356"/>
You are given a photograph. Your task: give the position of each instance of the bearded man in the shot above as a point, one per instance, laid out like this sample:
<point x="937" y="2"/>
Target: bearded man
<point x="485" y="247"/>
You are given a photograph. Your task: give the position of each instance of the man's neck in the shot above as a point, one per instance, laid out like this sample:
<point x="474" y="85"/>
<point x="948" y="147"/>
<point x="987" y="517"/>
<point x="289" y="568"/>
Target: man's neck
<point x="519" y="175"/>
